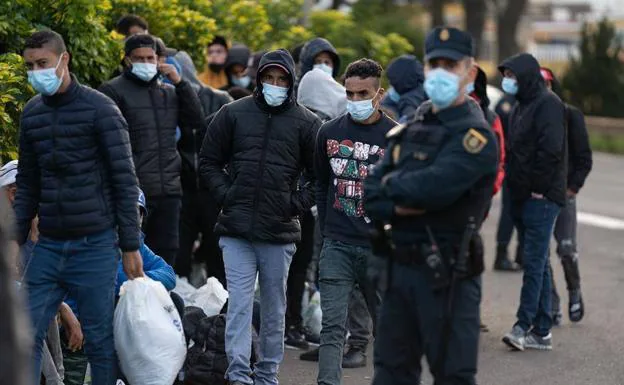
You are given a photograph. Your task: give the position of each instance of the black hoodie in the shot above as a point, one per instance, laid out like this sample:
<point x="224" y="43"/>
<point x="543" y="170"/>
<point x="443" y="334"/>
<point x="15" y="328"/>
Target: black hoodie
<point x="266" y="149"/>
<point x="406" y="74"/>
<point x="314" y="47"/>
<point x="537" y="138"/>
<point x="579" y="150"/>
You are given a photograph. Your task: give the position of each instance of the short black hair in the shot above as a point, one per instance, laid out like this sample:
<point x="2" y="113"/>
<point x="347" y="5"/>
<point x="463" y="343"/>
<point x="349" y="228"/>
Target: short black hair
<point x="364" y="68"/>
<point x="46" y="37"/>
<point x="128" y="21"/>
<point x="219" y="40"/>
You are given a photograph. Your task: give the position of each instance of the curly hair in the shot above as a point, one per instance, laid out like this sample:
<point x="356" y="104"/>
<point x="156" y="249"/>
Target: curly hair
<point x="364" y="68"/>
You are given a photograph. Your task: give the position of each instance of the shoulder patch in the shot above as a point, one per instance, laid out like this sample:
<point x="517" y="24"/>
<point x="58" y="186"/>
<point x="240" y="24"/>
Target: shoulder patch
<point x="474" y="141"/>
<point x="396" y="131"/>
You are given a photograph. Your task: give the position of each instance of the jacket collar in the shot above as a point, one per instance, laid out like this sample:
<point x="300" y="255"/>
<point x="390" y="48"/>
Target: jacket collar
<point x="66" y="97"/>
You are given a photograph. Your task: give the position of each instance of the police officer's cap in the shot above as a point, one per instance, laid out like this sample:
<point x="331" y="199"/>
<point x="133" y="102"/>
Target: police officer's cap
<point x="448" y="43"/>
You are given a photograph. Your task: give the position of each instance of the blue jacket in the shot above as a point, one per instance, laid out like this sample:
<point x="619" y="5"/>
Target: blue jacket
<point x="154" y="267"/>
<point x="75" y="168"/>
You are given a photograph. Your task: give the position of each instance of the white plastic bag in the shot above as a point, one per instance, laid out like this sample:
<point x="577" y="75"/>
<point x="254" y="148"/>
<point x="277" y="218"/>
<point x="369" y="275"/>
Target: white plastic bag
<point x="184" y="289"/>
<point x="149" y="338"/>
<point x="210" y="298"/>
<point x="312" y="315"/>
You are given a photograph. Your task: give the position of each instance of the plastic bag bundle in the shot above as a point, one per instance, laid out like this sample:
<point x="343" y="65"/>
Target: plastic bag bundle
<point x="149" y="338"/>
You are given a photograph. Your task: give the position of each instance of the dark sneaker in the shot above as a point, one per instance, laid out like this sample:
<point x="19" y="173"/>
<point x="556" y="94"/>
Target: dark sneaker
<point x="314" y="339"/>
<point x="576" y="308"/>
<point x="310" y="355"/>
<point x="354" y="358"/>
<point x="506" y="265"/>
<point x="295" y="339"/>
<point x="533" y="341"/>
<point x="515" y="338"/>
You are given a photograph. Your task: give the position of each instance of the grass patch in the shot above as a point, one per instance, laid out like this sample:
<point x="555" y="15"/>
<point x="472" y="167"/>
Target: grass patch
<point x="611" y="143"/>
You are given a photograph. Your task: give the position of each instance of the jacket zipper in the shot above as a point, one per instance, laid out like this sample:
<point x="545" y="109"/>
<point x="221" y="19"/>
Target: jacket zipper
<point x="158" y="134"/>
<point x="59" y="191"/>
<point x="260" y="173"/>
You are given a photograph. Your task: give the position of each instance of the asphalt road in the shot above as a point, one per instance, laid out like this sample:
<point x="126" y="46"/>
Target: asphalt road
<point x="588" y="353"/>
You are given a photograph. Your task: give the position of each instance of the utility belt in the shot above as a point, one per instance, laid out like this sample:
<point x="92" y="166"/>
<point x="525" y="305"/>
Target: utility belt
<point x="439" y="260"/>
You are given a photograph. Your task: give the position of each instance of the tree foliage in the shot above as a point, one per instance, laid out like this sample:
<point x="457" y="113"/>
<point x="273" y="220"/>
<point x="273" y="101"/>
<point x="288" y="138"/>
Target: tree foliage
<point x="595" y="81"/>
<point x="87" y="27"/>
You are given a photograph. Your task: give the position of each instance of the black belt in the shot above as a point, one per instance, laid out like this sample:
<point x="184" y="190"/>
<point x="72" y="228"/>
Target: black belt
<point x="410" y="255"/>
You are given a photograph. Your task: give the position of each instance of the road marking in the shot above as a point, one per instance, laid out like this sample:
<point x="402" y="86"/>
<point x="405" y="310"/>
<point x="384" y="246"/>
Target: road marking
<point x="600" y="221"/>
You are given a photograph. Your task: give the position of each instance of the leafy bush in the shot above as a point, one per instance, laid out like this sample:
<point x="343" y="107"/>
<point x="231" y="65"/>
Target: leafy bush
<point x="595" y="81"/>
<point x="14" y="93"/>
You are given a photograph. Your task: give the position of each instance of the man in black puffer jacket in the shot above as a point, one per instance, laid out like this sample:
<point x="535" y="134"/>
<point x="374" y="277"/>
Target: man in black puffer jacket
<point x="266" y="140"/>
<point x="536" y="175"/>
<point x="153" y="111"/>
<point x="76" y="174"/>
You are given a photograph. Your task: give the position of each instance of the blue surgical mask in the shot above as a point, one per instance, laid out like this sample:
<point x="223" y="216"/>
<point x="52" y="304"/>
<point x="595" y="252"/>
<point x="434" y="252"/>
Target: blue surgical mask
<point x="325" y="68"/>
<point x="243" y="81"/>
<point x="361" y="110"/>
<point x="274" y="95"/>
<point x="469" y="88"/>
<point x="442" y="87"/>
<point x="45" y="81"/>
<point x="144" y="71"/>
<point x="394" y="95"/>
<point x="510" y="86"/>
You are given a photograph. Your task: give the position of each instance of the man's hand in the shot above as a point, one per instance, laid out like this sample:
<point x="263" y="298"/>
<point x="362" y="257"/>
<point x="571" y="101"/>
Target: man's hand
<point x="73" y="330"/>
<point x="133" y="264"/>
<point x="34" y="230"/>
<point x="170" y="73"/>
<point x="570" y="194"/>
<point x="406" y="211"/>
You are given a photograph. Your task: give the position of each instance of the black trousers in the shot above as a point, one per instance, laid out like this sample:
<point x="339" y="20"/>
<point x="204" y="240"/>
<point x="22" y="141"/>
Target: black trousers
<point x="199" y="216"/>
<point x="161" y="227"/>
<point x="298" y="271"/>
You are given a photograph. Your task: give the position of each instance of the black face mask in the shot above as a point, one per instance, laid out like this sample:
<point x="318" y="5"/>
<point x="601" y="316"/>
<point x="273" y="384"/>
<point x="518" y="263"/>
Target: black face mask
<point x="215" y="67"/>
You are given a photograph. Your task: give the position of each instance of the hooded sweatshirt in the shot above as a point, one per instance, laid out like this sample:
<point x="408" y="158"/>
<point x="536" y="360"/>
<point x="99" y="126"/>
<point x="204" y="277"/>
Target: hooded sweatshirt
<point x="314" y="47"/>
<point x="579" y="150"/>
<point x="406" y="76"/>
<point x="319" y="92"/>
<point x="266" y="150"/>
<point x="238" y="54"/>
<point x="537" y="136"/>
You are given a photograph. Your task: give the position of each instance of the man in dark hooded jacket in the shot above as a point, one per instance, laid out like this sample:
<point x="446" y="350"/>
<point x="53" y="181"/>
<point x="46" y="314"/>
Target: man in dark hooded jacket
<point x="319" y="53"/>
<point x="267" y="141"/>
<point x="537" y="183"/>
<point x="153" y="111"/>
<point x="579" y="166"/>
<point x="237" y="66"/>
<point x="406" y="76"/>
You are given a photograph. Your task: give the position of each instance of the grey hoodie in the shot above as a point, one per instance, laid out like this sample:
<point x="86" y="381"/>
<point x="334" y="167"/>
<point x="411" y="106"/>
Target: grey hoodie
<point x="319" y="92"/>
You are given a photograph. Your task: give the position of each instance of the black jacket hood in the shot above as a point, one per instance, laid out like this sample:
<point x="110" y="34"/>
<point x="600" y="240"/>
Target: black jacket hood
<point x="313" y="48"/>
<point x="406" y="73"/>
<point x="238" y="54"/>
<point x="280" y="58"/>
<point x="480" y="86"/>
<point x="527" y="71"/>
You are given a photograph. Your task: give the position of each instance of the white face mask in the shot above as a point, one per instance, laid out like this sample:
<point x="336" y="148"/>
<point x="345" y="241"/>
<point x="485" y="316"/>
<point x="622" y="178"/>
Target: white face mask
<point x="325" y="68"/>
<point x="362" y="109"/>
<point x="45" y="81"/>
<point x="144" y="71"/>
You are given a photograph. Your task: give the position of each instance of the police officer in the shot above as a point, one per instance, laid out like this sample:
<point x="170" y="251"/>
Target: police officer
<point x="432" y="187"/>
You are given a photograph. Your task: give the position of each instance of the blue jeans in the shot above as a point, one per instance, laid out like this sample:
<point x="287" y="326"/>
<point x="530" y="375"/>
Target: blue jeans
<point x="341" y="266"/>
<point x="86" y="269"/>
<point x="243" y="260"/>
<point x="534" y="220"/>
<point x="411" y="325"/>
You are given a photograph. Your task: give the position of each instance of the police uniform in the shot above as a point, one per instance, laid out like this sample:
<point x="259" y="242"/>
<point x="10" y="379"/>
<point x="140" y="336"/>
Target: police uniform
<point x="444" y="165"/>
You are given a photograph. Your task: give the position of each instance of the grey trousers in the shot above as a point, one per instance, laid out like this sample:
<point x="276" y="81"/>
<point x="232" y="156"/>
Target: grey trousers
<point x="566" y="237"/>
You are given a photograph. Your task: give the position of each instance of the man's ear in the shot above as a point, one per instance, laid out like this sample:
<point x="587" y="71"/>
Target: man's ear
<point x="127" y="62"/>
